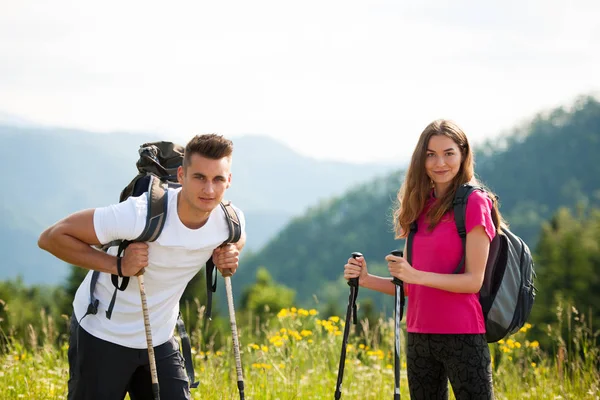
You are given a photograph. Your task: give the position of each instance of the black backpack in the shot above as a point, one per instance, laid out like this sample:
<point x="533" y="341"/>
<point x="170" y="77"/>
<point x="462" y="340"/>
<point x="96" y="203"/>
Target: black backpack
<point x="507" y="294"/>
<point x="157" y="167"/>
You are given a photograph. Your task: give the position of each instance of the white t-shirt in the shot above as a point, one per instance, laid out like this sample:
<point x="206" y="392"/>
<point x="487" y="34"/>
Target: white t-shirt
<point x="174" y="258"/>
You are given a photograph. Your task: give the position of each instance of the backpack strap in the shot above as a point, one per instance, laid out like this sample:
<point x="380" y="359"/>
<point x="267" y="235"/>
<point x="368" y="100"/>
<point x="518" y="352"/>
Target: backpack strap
<point x="235" y="233"/>
<point x="158" y="203"/>
<point x="460" y="213"/>
<point x="186" y="348"/>
<point x="409" y="241"/>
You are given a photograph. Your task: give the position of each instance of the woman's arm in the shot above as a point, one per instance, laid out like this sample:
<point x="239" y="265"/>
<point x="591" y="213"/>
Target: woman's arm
<point x="477" y="249"/>
<point x="357" y="268"/>
<point x="378" y="283"/>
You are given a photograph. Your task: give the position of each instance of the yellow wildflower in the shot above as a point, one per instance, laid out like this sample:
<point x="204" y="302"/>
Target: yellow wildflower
<point x="282" y="313"/>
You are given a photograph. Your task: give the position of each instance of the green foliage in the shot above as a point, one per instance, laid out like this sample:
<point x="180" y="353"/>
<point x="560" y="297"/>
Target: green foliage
<point x="265" y="296"/>
<point x="311" y="251"/>
<point x="30" y="312"/>
<point x="568" y="265"/>
<point x="295" y="356"/>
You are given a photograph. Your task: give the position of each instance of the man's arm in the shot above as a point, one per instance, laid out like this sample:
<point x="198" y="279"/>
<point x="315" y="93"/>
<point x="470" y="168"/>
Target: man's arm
<point x="70" y="240"/>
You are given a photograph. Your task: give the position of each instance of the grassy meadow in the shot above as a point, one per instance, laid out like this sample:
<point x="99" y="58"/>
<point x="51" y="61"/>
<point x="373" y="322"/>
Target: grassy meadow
<point x="296" y="354"/>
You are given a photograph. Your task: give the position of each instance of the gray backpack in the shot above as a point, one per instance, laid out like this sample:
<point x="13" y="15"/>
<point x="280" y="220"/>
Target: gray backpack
<point x="507" y="294"/>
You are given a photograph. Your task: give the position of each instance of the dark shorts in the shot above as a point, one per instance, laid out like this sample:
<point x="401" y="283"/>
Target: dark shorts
<point x="103" y="370"/>
<point x="432" y="360"/>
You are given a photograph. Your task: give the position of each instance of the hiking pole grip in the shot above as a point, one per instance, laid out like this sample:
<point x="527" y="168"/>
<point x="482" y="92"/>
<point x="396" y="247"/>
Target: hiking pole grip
<point x="151" y="358"/>
<point x="397" y="253"/>
<point x="234" y="333"/>
<point x="354" y="281"/>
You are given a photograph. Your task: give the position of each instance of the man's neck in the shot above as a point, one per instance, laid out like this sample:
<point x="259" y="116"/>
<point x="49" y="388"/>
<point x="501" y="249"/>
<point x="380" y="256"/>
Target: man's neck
<point x="190" y="218"/>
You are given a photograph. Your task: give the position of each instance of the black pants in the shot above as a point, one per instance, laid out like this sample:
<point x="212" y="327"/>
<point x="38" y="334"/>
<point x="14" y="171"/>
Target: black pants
<point x="103" y="370"/>
<point x="432" y="360"/>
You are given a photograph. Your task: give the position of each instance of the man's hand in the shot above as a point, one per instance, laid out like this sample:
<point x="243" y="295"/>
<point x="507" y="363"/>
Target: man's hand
<point x="135" y="259"/>
<point x="226" y="258"/>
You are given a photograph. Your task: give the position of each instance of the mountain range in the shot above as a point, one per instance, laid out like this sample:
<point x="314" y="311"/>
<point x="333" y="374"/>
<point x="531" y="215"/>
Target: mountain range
<point x="52" y="172"/>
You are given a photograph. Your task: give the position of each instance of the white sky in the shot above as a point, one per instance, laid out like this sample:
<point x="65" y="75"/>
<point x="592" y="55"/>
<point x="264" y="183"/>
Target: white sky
<point x="345" y="80"/>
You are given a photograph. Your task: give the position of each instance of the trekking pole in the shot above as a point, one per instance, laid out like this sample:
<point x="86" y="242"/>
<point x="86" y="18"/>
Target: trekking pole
<point x="234" y="333"/>
<point x="351" y="313"/>
<point x="398" y="312"/>
<point x="151" y="358"/>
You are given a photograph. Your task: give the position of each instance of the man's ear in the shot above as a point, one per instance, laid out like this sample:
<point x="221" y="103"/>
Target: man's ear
<point x="229" y="180"/>
<point x="180" y="175"/>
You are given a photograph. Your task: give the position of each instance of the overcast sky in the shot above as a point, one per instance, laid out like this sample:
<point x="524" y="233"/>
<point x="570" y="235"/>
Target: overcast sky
<point x="344" y="80"/>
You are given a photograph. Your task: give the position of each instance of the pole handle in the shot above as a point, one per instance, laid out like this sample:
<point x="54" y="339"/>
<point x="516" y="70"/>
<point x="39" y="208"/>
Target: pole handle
<point x="354" y="281"/>
<point x="397" y="253"/>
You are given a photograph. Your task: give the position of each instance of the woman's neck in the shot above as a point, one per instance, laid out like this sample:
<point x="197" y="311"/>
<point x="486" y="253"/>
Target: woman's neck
<point x="439" y="189"/>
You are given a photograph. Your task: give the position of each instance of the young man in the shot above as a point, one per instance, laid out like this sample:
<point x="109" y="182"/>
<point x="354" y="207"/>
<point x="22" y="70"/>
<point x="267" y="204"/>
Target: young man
<point x="109" y="357"/>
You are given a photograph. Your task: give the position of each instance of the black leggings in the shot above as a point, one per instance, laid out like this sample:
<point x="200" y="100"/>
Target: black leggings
<point x="463" y="359"/>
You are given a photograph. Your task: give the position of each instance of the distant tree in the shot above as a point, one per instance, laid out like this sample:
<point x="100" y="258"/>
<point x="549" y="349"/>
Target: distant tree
<point x="568" y="266"/>
<point x="265" y="297"/>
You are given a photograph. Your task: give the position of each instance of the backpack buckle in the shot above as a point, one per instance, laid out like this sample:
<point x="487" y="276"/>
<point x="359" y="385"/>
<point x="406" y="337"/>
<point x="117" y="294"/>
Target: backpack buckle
<point x="92" y="308"/>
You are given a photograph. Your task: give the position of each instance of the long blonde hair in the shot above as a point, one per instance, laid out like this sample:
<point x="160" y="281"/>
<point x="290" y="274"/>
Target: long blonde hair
<point x="417" y="185"/>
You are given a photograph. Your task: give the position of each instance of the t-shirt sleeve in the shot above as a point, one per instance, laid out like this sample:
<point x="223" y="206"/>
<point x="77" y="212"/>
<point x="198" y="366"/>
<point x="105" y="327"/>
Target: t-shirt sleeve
<point x="125" y="220"/>
<point x="479" y="212"/>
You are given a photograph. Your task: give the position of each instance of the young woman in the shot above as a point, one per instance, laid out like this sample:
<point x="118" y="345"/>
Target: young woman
<point x="444" y="319"/>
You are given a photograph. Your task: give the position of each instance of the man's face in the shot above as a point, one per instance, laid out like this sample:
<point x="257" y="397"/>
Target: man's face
<point x="204" y="181"/>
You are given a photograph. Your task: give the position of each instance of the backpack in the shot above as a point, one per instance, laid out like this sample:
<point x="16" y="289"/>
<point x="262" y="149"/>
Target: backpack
<point x="157" y="171"/>
<point x="507" y="294"/>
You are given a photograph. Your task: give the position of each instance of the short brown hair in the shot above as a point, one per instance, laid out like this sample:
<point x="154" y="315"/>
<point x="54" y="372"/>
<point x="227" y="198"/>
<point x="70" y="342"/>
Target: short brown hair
<point x="210" y="145"/>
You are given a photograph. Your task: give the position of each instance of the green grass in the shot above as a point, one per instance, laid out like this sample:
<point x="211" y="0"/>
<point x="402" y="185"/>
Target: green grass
<point x="296" y="354"/>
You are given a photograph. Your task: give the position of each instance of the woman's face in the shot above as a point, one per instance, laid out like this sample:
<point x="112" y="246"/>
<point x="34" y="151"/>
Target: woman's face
<point x="442" y="160"/>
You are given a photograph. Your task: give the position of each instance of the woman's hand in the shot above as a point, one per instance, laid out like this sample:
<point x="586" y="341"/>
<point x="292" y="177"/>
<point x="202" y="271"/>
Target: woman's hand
<point x="356" y="268"/>
<point x="401" y="269"/>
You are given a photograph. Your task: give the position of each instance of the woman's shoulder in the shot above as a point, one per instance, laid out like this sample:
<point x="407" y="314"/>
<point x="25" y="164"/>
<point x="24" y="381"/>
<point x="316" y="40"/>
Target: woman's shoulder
<point x="480" y="197"/>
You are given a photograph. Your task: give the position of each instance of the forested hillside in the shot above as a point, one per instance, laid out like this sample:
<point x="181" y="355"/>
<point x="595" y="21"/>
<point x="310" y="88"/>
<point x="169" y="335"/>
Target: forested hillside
<point x="550" y="162"/>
